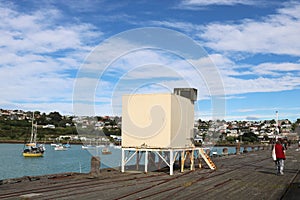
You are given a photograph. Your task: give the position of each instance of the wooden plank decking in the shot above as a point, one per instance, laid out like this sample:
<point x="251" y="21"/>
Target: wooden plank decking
<point x="246" y="176"/>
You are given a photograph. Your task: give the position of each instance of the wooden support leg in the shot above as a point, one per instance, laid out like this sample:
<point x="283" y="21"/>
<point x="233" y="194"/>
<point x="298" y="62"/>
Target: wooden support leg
<point x="182" y="161"/>
<point x="199" y="159"/>
<point x="200" y="164"/>
<point x="192" y="160"/>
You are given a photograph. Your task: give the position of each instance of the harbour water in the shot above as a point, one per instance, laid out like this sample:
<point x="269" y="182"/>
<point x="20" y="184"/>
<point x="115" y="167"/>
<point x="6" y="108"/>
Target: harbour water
<point x="75" y="159"/>
<point x="13" y="164"/>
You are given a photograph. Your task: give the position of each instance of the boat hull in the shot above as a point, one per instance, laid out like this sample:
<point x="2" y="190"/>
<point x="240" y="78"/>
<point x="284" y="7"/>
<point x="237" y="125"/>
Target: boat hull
<point x="60" y="148"/>
<point x="106" y="151"/>
<point x="32" y="154"/>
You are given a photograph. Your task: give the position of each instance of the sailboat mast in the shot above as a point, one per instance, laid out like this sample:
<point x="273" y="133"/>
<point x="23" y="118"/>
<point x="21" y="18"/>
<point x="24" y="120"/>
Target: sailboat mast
<point x="32" y="130"/>
<point x="277" y="124"/>
<point x="35" y="132"/>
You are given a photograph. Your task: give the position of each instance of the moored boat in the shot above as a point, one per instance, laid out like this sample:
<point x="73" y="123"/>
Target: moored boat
<point x="117" y="147"/>
<point x="67" y="145"/>
<point x="60" y="148"/>
<point x="88" y="147"/>
<point x="105" y="151"/>
<point x="31" y="149"/>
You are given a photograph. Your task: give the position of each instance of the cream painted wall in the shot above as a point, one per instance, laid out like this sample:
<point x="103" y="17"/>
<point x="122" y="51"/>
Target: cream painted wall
<point x="157" y="121"/>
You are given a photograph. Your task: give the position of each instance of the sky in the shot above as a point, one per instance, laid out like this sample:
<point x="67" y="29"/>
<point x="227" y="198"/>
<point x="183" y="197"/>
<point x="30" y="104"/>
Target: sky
<point x="80" y="57"/>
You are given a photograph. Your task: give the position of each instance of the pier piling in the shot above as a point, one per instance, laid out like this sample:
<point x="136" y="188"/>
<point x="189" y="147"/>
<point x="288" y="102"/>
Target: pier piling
<point x="95" y="166"/>
<point x="238" y="148"/>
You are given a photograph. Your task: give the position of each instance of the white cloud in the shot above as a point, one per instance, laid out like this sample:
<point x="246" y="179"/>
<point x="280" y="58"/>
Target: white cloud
<point x="39" y="56"/>
<point x="182" y="26"/>
<point x="248" y="78"/>
<point x="276" y="69"/>
<point x="245" y="117"/>
<point x="228" y="67"/>
<point x="273" y="34"/>
<point x="263" y="113"/>
<point x="189" y="3"/>
<point x="240" y="86"/>
<point x="130" y="64"/>
<point x="277" y="34"/>
<point x="228" y="97"/>
<point x="158" y="72"/>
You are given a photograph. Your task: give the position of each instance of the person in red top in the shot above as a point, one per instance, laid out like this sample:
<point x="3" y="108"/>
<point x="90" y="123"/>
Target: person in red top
<point x="280" y="157"/>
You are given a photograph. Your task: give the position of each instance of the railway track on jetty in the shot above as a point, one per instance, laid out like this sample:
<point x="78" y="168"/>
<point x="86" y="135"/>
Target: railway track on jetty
<point x="62" y="185"/>
<point x="244" y="176"/>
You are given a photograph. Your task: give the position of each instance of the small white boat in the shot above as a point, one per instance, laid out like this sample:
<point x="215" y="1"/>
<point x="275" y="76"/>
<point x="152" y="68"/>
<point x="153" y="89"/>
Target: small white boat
<point x="117" y="147"/>
<point x="60" y="148"/>
<point x="88" y="147"/>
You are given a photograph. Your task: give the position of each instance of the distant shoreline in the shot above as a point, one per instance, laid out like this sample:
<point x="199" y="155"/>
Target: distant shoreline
<point x="12" y="141"/>
<point x="22" y="142"/>
<point x="81" y="143"/>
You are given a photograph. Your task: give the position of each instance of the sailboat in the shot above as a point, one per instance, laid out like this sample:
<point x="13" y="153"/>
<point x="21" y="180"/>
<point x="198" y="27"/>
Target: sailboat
<point x="31" y="149"/>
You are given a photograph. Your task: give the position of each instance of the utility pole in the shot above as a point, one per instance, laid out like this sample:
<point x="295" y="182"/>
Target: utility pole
<point x="277" y="125"/>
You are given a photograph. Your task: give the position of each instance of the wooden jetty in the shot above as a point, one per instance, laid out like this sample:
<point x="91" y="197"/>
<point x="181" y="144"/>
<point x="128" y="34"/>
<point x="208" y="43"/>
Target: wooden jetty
<point x="246" y="176"/>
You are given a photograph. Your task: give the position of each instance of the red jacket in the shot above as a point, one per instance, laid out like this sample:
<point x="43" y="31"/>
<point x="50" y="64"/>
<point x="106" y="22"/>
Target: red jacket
<point x="279" y="151"/>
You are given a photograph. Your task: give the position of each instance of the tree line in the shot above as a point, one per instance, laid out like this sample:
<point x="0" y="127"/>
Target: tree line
<point x="14" y="127"/>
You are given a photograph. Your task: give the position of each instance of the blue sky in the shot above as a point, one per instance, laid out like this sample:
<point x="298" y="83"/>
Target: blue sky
<point x="46" y="48"/>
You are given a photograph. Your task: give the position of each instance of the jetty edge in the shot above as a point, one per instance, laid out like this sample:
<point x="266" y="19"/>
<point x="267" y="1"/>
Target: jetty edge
<point x="249" y="175"/>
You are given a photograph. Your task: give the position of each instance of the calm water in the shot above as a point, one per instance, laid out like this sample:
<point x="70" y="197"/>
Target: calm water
<point x="13" y="164"/>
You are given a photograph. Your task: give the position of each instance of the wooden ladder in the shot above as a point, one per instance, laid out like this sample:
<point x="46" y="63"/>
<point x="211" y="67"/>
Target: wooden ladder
<point x="207" y="159"/>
